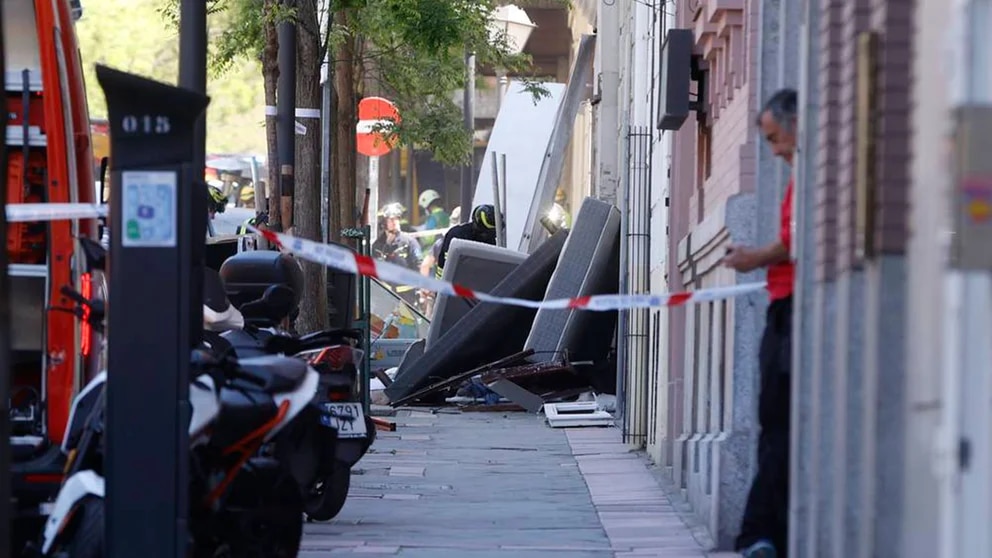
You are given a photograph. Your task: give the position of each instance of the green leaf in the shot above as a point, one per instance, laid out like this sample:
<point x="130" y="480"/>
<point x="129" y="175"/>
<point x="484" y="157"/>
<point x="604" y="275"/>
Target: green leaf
<point x="410" y="51"/>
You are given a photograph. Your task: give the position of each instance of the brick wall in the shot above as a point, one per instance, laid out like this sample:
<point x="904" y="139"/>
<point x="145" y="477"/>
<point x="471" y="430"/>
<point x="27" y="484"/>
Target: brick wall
<point x="830" y="76"/>
<point x="855" y="20"/>
<point x="733" y="154"/>
<point x="843" y="21"/>
<point x="706" y="396"/>
<point x="893" y="19"/>
<point x="726" y="36"/>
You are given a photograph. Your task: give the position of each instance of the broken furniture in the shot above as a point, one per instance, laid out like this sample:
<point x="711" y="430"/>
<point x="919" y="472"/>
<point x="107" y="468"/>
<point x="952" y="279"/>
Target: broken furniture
<point x="488" y="332"/>
<point x="583" y="263"/>
<point x="475" y="265"/>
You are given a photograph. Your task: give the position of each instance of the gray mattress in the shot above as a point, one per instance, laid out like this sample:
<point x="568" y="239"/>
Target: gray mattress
<point x="488" y="332"/>
<point x="477" y="266"/>
<point x="589" y="264"/>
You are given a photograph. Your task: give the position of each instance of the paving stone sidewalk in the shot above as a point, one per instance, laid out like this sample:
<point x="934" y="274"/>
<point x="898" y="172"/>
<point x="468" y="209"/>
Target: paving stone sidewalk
<point x="501" y="484"/>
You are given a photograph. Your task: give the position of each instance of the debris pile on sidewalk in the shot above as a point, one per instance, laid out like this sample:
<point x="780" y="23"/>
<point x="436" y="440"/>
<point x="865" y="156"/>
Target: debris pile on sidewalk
<point x="498" y="357"/>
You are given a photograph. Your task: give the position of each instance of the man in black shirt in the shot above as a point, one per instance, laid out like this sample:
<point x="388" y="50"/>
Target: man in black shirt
<point x="480" y="228"/>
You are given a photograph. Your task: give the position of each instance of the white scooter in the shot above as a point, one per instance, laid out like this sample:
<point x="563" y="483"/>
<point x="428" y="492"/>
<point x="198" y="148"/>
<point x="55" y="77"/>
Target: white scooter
<point x="238" y="406"/>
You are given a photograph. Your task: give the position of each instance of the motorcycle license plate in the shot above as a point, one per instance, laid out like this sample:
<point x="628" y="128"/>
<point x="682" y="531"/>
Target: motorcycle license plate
<point x="346" y="418"/>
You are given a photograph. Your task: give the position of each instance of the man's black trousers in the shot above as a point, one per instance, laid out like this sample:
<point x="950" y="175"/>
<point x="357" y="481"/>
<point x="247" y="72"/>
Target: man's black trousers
<point x="766" y="515"/>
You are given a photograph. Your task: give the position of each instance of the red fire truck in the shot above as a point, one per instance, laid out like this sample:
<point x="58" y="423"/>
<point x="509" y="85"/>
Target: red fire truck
<point x="47" y="142"/>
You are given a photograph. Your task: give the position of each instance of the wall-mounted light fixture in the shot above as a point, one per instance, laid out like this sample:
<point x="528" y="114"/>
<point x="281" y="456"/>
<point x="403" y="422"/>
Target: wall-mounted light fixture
<point x="679" y="68"/>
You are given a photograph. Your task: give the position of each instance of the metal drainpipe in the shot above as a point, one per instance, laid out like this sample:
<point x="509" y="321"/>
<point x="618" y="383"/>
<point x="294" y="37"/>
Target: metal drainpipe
<point x="964" y="452"/>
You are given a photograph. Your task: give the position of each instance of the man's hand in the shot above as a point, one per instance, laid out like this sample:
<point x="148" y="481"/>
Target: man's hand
<point x="746" y="258"/>
<point x="742" y="258"/>
<point x="426" y="265"/>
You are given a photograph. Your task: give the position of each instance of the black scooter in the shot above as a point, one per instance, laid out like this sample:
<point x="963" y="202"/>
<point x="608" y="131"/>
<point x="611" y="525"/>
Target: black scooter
<point x="336" y="356"/>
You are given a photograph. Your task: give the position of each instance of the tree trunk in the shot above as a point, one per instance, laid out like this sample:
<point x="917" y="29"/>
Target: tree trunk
<point x="343" y="186"/>
<point x="306" y="211"/>
<point x="270" y="78"/>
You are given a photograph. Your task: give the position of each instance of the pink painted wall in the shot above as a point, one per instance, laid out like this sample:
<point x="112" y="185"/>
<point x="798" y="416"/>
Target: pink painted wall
<point x="729" y="42"/>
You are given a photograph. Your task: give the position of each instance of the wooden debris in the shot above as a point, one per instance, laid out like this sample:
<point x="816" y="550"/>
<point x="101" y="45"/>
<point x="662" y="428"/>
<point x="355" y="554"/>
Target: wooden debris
<point x="454" y="381"/>
<point x="385" y="425"/>
<point x="495" y="408"/>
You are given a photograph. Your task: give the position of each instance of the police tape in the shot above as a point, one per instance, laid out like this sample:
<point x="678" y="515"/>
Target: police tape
<point x="28" y="212"/>
<point x="346" y="260"/>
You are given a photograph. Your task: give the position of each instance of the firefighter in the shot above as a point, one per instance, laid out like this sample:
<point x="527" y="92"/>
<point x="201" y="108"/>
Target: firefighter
<point x="558" y="214"/>
<point x="437" y="217"/>
<point x="428" y="266"/>
<point x="216" y="201"/>
<point x="248" y="241"/>
<point x="395" y="208"/>
<point x="394" y="245"/>
<point x="480" y="228"/>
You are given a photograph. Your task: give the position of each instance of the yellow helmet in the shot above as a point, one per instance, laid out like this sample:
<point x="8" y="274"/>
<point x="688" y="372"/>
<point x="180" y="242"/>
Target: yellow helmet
<point x="218" y="201"/>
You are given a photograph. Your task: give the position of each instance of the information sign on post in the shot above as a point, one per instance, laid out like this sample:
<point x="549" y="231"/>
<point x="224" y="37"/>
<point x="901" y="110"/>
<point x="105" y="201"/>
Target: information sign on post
<point x="157" y="215"/>
<point x="375" y="117"/>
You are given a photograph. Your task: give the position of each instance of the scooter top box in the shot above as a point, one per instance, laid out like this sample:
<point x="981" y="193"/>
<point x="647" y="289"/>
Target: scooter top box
<point x="247" y="274"/>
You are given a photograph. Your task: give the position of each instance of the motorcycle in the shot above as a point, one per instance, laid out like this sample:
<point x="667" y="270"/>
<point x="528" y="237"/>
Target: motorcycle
<point x="241" y="504"/>
<point x="253" y="424"/>
<point x="336" y="355"/>
<point x="339" y="397"/>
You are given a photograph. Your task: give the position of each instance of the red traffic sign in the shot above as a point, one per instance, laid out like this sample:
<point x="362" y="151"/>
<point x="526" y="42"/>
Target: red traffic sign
<point x="373" y="112"/>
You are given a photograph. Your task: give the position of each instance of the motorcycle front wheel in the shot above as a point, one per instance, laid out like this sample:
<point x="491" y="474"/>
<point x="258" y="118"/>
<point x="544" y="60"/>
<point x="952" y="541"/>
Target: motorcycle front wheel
<point x="85" y="538"/>
<point x="262" y="519"/>
<point x="328" y="496"/>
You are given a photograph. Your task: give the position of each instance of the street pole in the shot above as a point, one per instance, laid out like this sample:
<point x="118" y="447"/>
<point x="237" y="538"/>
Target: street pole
<point x="193" y="68"/>
<point x="193" y="76"/>
<point x="468" y="111"/>
<point x="286" y="116"/>
<point x="325" y="155"/>
<point x="5" y="332"/>
<point x="373" y="198"/>
<point x="500" y="231"/>
<point x="501" y="206"/>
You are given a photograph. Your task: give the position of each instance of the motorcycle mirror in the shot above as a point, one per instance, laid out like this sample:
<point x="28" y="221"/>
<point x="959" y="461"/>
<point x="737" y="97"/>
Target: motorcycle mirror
<point x="95" y="254"/>
<point x="104" y="165"/>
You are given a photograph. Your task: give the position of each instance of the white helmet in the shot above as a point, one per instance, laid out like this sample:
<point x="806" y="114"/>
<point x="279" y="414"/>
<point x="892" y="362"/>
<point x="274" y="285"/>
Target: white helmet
<point x="428" y="197"/>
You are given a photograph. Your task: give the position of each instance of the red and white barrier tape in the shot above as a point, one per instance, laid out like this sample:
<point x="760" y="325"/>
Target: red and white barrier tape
<point x="27" y="212"/>
<point x="346" y="260"/>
